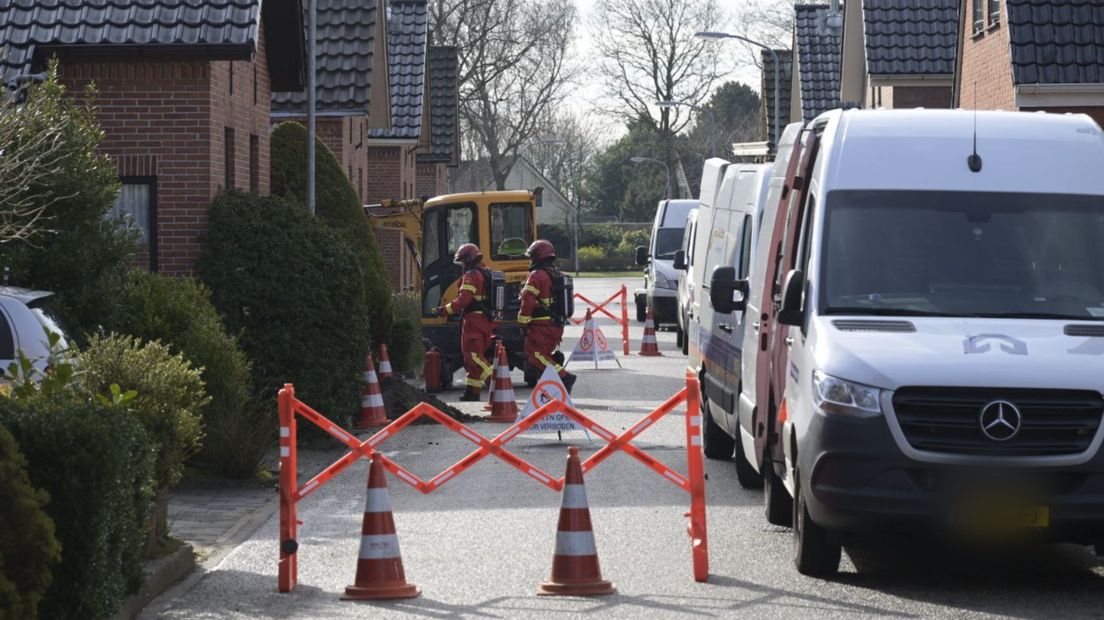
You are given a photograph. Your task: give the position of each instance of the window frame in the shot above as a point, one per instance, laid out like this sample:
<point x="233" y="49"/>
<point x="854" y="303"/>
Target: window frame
<point x="992" y="12"/>
<point x="530" y="233"/>
<point x="151" y="216"/>
<point x="978" y="15"/>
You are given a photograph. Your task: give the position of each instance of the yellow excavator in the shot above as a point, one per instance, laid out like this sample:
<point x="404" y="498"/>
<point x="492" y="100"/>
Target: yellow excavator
<point x="503" y="224"/>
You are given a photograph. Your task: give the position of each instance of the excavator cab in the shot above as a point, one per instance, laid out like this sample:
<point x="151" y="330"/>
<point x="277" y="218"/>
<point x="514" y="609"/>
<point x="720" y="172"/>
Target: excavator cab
<point x="503" y="225"/>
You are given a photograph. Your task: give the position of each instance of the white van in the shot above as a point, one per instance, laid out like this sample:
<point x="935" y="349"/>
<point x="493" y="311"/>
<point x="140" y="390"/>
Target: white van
<point x="936" y="360"/>
<point x="660" y="278"/>
<point x="688" y="287"/>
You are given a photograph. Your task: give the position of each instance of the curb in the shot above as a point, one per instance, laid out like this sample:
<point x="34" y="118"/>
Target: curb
<point x="160" y="575"/>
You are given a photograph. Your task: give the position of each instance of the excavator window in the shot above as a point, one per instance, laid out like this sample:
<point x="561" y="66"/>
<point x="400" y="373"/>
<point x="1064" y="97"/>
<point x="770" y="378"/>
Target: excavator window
<point x="511" y="230"/>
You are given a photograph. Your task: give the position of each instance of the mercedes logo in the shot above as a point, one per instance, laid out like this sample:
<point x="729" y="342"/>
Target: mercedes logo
<point x="1000" y="420"/>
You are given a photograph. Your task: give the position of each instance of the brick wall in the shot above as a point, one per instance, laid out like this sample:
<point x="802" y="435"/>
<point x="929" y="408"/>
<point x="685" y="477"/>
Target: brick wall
<point x="167" y="120"/>
<point x="432" y="180"/>
<point x="398" y="260"/>
<point x="1097" y="114"/>
<point x="922" y="97"/>
<point x="985" y="78"/>
<point x="384" y="173"/>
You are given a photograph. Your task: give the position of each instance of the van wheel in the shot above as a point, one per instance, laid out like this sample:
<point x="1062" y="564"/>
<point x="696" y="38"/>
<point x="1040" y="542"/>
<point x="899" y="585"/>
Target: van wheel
<point x="641" y="311"/>
<point x="745" y="473"/>
<point x="716" y="443"/>
<point x="814" y="553"/>
<point x="778" y="504"/>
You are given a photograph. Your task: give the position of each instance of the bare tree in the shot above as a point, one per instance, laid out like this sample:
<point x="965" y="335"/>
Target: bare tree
<point x="513" y="57"/>
<point x="562" y="148"/>
<point x="647" y="52"/>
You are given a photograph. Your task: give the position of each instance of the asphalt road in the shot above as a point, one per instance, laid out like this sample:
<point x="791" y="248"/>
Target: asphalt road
<point x="480" y="545"/>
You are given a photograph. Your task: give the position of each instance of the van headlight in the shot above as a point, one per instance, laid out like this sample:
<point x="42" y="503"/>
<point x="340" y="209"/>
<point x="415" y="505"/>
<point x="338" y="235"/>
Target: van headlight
<point x="661" y="281"/>
<point x="834" y="395"/>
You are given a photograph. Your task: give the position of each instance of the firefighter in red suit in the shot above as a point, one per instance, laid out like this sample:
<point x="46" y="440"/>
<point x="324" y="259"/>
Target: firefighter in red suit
<point x="543" y="331"/>
<point x="477" y="327"/>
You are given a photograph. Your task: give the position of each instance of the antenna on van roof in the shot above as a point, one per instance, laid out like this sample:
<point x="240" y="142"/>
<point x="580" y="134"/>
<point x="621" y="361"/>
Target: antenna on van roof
<point x="974" y="160"/>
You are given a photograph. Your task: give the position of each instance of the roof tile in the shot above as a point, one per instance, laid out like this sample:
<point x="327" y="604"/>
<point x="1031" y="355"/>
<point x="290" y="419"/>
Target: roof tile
<point x="1056" y="41"/>
<point x="910" y="37"/>
<point x="819" y="53"/>
<point x="443" y="72"/>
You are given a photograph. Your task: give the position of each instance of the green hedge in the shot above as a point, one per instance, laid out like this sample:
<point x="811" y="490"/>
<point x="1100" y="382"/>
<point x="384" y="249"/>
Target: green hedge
<point x="292" y="291"/>
<point x="407" y="349"/>
<point x="340" y="207"/>
<point x="96" y="464"/>
<point x="28" y="547"/>
<point x="179" y="313"/>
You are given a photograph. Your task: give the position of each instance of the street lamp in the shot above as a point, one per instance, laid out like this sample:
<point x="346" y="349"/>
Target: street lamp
<point x="777" y="73"/>
<point x="667" y="187"/>
<point x="574" y="207"/>
<point x="669" y="104"/>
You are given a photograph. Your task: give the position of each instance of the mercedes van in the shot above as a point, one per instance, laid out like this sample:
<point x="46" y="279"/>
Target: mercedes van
<point x="934" y="359"/>
<point x="660" y="277"/>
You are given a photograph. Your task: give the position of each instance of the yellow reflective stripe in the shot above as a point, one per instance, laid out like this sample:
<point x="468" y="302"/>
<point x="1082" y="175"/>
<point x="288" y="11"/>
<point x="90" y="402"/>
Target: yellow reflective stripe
<point x="547" y="362"/>
<point x="542" y="318"/>
<point x="547" y="301"/>
<point x="469" y="287"/>
<point x="524" y="320"/>
<point x="448" y="308"/>
<point x="482" y="363"/>
<point x="529" y="288"/>
<point x="475" y="383"/>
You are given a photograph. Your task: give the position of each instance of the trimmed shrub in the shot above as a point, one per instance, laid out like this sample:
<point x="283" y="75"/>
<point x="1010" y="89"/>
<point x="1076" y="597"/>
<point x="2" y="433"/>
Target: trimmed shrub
<point x="96" y="464"/>
<point x="28" y="548"/>
<point x="179" y="313"/>
<point x="292" y="292"/>
<point x="84" y="257"/>
<point x="340" y="207"/>
<point x="406" y="349"/>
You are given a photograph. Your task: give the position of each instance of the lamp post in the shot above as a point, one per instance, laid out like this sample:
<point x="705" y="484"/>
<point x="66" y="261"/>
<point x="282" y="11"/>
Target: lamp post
<point x="777" y="73"/>
<point x="712" y="144"/>
<point x="574" y="205"/>
<point x="312" y="94"/>
<point x="666" y="188"/>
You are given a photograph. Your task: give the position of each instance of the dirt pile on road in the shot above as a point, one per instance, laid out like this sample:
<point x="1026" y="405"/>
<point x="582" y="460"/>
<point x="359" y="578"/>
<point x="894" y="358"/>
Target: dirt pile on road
<point x="400" y="397"/>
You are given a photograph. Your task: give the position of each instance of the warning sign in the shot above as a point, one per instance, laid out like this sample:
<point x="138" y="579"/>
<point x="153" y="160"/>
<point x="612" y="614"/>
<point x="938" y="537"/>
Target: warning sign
<point x="549" y="388"/>
<point x="592" y="346"/>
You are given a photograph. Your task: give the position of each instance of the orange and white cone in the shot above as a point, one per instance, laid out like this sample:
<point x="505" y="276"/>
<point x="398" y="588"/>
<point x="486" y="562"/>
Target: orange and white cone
<point x="385" y="364"/>
<point x="372" y="411"/>
<point x="575" y="570"/>
<point x="379" y="573"/>
<point x="504" y="406"/>
<point x="649" y="347"/>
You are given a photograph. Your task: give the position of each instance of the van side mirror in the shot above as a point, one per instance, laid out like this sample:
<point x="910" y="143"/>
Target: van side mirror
<point x="642" y="255"/>
<point x="726" y="293"/>
<point x="792" y="313"/>
<point x="680" y="260"/>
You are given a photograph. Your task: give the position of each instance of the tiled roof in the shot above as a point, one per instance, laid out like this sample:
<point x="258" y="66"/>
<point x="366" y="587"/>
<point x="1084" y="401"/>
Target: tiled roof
<point x="406" y="66"/>
<point x="785" y="85"/>
<point x="1057" y="41"/>
<point x="345" y="40"/>
<point x="910" y="37"/>
<point x="444" y="71"/>
<point x="819" y="56"/>
<point x="221" y="28"/>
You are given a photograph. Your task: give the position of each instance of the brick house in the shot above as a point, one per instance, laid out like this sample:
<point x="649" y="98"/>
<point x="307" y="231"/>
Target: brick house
<point x="1031" y="55"/>
<point x="182" y="97"/>
<point x="898" y="54"/>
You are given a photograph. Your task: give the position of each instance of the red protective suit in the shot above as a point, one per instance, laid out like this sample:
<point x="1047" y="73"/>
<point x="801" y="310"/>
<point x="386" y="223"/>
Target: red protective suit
<point x="544" y="334"/>
<point x="476" y="330"/>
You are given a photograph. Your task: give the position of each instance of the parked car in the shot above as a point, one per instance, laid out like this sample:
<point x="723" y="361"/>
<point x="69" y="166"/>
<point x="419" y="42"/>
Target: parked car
<point x="687" y="286"/>
<point x="25" y="318"/>
<point x="660" y="277"/>
<point x="934" y="361"/>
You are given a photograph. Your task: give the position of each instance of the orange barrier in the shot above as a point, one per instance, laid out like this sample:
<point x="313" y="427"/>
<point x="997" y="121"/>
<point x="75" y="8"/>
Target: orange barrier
<point x="291" y="493"/>
<point x="623" y="321"/>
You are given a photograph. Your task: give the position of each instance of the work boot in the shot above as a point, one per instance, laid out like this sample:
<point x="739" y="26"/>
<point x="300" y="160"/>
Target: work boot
<point x="471" y="394"/>
<point x="532" y="375"/>
<point x="569" y="381"/>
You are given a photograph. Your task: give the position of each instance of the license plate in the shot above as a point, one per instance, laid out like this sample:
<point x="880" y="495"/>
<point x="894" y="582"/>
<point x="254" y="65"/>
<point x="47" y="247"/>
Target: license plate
<point x="994" y="517"/>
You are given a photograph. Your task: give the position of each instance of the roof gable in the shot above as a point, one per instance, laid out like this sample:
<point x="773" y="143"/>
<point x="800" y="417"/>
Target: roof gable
<point x="406" y="67"/>
<point x="443" y="74"/>
<point x="1056" y="41"/>
<point x="910" y="37"/>
<point x="220" y="29"/>
<point x="819" y="56"/>
<point x="785" y="90"/>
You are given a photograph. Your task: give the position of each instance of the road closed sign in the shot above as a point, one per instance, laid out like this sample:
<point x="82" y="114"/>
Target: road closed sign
<point x="549" y="388"/>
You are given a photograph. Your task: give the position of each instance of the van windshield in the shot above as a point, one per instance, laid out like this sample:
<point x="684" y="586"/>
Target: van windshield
<point x="668" y="241"/>
<point x="968" y="254"/>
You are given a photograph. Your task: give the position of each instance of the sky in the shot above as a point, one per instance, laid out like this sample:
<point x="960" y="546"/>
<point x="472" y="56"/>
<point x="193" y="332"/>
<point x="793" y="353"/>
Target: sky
<point x="589" y="88"/>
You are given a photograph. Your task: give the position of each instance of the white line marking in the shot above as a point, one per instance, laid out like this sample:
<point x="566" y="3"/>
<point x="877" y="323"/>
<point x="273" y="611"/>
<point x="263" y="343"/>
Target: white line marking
<point x="375" y="440"/>
<point x="405" y="476"/>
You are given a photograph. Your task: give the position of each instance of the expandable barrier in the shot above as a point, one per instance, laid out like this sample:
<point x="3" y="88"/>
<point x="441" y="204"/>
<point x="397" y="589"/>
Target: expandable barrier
<point x="601" y="307"/>
<point x="291" y="493"/>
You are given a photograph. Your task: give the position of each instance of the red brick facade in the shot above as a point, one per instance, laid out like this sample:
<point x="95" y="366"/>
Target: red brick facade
<point x="390" y="173"/>
<point x="985" y="71"/>
<point x="432" y="180"/>
<point x="398" y="259"/>
<point x="922" y="97"/>
<point x="167" y="122"/>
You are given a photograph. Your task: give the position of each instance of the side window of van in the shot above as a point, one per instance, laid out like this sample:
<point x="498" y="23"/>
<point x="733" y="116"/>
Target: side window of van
<point x="745" y="249"/>
<point x="715" y="251"/>
<point x="806" y="235"/>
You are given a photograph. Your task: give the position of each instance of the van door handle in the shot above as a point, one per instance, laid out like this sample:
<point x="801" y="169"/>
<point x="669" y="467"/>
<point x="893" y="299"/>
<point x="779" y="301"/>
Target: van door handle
<point x="725" y="327"/>
<point x="755" y="325"/>
<point x="789" y="341"/>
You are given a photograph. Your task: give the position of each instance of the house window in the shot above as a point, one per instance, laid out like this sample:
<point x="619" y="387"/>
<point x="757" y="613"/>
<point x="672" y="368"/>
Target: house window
<point x="979" y="15"/>
<point x="254" y="164"/>
<point x="136" y="209"/>
<point x="360" y="181"/>
<point x="228" y="156"/>
<point x="994" y="12"/>
<point x="254" y="84"/>
<point x="231" y="77"/>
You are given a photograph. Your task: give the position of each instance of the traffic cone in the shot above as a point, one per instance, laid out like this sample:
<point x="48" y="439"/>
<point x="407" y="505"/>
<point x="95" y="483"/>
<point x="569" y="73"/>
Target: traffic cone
<point x="372" y="411"/>
<point x="648" y="346"/>
<point x="385" y="364"/>
<point x="379" y="573"/>
<point x="575" y="570"/>
<point x="503" y="402"/>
